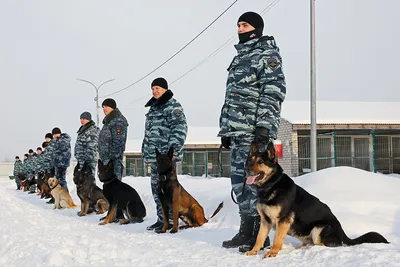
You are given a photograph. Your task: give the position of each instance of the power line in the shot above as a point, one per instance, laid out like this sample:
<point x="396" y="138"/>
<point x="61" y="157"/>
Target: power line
<point x="223" y="46"/>
<point x="180" y="50"/>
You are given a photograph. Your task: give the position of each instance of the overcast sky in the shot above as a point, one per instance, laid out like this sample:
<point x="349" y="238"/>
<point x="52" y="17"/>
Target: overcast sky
<point x="46" y="45"/>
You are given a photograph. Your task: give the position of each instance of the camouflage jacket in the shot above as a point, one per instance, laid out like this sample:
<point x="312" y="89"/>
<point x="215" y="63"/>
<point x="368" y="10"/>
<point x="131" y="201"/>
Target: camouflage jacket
<point x="48" y="162"/>
<point x="39" y="162"/>
<point x="255" y="89"/>
<point x="28" y="167"/>
<point x="112" y="137"/>
<point x="165" y="127"/>
<point x="17" y="167"/>
<point x="62" y="151"/>
<point x="86" y="145"/>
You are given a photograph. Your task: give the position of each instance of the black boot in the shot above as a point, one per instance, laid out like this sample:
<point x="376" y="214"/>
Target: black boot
<point x="245" y="233"/>
<point x="252" y="241"/>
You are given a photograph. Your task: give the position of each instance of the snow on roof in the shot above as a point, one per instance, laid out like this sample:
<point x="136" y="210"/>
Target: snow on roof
<point x="331" y="112"/>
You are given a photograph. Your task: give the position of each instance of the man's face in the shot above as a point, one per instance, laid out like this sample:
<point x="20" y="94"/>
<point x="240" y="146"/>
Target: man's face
<point x="84" y="121"/>
<point x="244" y="27"/>
<point x="56" y="135"/>
<point x="25" y="157"/>
<point x="39" y="151"/>
<point x="107" y="110"/>
<point x="17" y="159"/>
<point x="48" y="139"/>
<point x="31" y="154"/>
<point x="157" y="91"/>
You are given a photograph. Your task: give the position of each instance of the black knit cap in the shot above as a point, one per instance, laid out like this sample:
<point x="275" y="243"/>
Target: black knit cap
<point x="39" y="148"/>
<point x="109" y="102"/>
<point x="160" y="82"/>
<point x="30" y="151"/>
<point x="48" y="135"/>
<point x="56" y="130"/>
<point x="86" y="115"/>
<point x="253" y="19"/>
<point x="16" y="157"/>
<point x="45" y="144"/>
<point x="26" y="155"/>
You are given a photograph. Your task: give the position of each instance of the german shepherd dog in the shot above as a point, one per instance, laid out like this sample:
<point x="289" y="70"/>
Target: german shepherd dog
<point x="43" y="185"/>
<point x="91" y="196"/>
<point x="120" y="196"/>
<point x="173" y="196"/>
<point x="291" y="210"/>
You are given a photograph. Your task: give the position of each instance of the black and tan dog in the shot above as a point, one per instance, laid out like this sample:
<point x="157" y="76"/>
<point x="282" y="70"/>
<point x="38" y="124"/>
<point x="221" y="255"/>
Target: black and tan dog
<point x="120" y="196"/>
<point x="91" y="196"/>
<point x="173" y="196"/>
<point x="43" y="186"/>
<point x="291" y="210"/>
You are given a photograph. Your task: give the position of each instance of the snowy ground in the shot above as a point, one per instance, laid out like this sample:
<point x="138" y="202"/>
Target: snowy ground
<point x="33" y="234"/>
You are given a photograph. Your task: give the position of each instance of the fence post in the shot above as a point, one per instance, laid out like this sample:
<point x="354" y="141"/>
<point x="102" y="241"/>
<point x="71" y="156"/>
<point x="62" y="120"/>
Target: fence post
<point x="373" y="151"/>
<point x="206" y="163"/>
<point x="334" y="149"/>
<point x="220" y="164"/>
<point x="128" y="167"/>
<point x="194" y="163"/>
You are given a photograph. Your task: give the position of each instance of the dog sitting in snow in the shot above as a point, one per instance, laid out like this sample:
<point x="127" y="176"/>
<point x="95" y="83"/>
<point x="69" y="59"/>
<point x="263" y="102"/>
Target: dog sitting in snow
<point x="91" y="196"/>
<point x="62" y="199"/>
<point x="173" y="196"/>
<point x="122" y="198"/>
<point x="291" y="210"/>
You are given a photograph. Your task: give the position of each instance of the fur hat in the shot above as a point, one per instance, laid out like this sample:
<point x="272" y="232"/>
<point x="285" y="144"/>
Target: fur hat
<point x="48" y="135"/>
<point x="160" y="82"/>
<point x="86" y="115"/>
<point x="56" y="130"/>
<point x="109" y="102"/>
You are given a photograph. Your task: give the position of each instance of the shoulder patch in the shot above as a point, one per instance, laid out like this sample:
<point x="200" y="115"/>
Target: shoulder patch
<point x="272" y="63"/>
<point x="177" y="113"/>
<point x="118" y="129"/>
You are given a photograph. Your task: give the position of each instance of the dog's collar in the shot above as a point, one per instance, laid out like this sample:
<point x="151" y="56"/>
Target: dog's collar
<point x="163" y="177"/>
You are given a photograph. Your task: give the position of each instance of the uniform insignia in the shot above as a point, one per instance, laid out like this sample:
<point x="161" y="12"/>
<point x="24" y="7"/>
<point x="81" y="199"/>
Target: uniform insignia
<point x="272" y="63"/>
<point x="177" y="113"/>
<point x="119" y="130"/>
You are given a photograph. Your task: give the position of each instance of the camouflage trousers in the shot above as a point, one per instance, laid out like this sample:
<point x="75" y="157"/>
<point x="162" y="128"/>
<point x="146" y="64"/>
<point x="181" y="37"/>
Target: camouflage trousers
<point x="60" y="173"/>
<point x="154" y="190"/>
<point x="247" y="199"/>
<point x="118" y="168"/>
<point x="16" y="178"/>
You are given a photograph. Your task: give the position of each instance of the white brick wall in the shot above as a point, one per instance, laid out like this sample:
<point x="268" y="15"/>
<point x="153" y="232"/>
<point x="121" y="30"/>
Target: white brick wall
<point x="288" y="137"/>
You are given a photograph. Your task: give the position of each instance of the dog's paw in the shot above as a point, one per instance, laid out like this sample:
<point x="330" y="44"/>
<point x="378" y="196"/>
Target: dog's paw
<point x="161" y="231"/>
<point x="102" y="223"/>
<point x="251" y="253"/>
<point x="272" y="253"/>
<point x="80" y="214"/>
<point x="174" y="230"/>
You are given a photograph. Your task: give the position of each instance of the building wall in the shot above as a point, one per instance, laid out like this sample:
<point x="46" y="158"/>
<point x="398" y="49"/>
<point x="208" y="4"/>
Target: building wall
<point x="288" y="137"/>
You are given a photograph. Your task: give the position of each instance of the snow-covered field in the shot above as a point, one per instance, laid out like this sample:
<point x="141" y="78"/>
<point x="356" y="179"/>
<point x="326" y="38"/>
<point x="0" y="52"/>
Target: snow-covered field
<point x="33" y="234"/>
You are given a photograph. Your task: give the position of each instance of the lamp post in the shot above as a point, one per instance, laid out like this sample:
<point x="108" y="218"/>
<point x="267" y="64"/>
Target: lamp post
<point x="313" y="96"/>
<point x="97" y="95"/>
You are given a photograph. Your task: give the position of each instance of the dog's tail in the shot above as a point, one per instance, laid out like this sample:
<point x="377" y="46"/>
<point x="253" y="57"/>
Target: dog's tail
<point x="370" y="237"/>
<point x="220" y="206"/>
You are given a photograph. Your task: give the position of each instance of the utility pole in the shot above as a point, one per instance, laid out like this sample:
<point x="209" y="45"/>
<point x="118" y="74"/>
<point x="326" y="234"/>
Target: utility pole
<point x="313" y="130"/>
<point x="97" y="96"/>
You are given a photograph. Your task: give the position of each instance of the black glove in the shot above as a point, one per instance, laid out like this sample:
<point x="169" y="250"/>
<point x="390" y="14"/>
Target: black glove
<point x="226" y="142"/>
<point x="262" y="136"/>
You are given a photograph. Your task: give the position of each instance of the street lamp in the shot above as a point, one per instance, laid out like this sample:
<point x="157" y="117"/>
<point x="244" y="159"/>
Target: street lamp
<point x="97" y="95"/>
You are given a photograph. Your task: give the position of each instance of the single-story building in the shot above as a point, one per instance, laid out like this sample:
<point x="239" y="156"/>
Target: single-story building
<point x="364" y="135"/>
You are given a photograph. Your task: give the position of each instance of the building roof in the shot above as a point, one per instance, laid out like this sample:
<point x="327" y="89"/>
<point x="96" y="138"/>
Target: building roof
<point x="345" y="112"/>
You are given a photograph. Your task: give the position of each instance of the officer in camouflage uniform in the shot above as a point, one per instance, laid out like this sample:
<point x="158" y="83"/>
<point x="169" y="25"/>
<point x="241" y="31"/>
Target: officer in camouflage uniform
<point x="48" y="158"/>
<point x="87" y="141"/>
<point x="17" y="169"/>
<point x="255" y="91"/>
<point x="25" y="166"/>
<point x="29" y="164"/>
<point x="39" y="160"/>
<point x="61" y="155"/>
<point x="165" y="127"/>
<point x="112" y="137"/>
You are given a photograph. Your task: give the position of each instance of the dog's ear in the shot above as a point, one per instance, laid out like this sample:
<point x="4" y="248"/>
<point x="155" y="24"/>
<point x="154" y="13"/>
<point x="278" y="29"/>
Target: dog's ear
<point x="100" y="164"/>
<point x="110" y="164"/>
<point x="157" y="153"/>
<point x="253" y="148"/>
<point x="171" y="153"/>
<point x="271" y="152"/>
